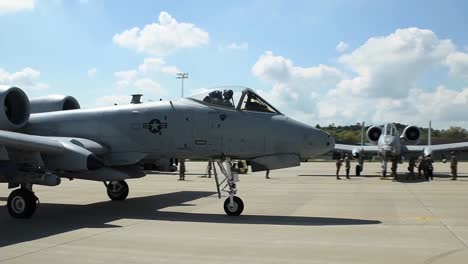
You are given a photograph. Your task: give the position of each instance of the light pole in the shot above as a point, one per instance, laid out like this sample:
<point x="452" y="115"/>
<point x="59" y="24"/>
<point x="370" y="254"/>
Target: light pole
<point x="182" y="76"/>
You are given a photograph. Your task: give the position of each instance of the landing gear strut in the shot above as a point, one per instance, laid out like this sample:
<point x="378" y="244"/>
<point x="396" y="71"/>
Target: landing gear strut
<point x="117" y="190"/>
<point x="22" y="203"/>
<point x="233" y="205"/>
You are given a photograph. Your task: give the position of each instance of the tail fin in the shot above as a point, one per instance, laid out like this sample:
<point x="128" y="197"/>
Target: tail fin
<point x="362" y="133"/>
<point x="429" y="134"/>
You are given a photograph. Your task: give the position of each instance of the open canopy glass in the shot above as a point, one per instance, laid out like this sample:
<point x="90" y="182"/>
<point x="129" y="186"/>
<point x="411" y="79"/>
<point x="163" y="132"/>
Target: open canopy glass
<point x="240" y="98"/>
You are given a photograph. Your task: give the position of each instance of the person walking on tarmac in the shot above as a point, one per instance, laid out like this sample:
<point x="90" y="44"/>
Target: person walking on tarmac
<point x="182" y="170"/>
<point x="347" y="165"/>
<point x="209" y="168"/>
<point x="453" y="166"/>
<point x="429" y="169"/>
<point x="394" y="168"/>
<point x="339" y="162"/>
<point x="420" y="165"/>
<point x="411" y="165"/>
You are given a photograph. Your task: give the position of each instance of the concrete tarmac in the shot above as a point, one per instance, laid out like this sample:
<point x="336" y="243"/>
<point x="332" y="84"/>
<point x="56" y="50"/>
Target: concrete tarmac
<point x="301" y="215"/>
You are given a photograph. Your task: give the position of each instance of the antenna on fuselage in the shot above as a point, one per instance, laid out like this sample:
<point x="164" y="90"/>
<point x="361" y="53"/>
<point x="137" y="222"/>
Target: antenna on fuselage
<point x="429" y="134"/>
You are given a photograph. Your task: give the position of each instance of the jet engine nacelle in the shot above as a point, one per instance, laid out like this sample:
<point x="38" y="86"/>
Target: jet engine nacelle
<point x="53" y="103"/>
<point x="14" y="108"/>
<point x="411" y="135"/>
<point x="373" y="134"/>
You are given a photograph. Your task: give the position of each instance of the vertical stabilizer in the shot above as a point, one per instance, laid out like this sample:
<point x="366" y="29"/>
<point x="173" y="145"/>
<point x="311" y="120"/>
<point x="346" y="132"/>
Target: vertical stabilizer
<point x="429" y="134"/>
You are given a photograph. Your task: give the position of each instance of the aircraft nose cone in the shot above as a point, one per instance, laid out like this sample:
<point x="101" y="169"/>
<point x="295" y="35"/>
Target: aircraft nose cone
<point x="329" y="142"/>
<point x="317" y="143"/>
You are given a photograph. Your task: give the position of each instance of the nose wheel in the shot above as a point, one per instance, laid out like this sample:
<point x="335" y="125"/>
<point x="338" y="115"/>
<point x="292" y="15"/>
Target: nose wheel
<point x="235" y="207"/>
<point x="22" y="203"/>
<point x="117" y="190"/>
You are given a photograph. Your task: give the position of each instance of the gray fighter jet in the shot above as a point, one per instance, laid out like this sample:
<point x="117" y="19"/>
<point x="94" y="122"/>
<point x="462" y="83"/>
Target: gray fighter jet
<point x="389" y="144"/>
<point x="40" y="143"/>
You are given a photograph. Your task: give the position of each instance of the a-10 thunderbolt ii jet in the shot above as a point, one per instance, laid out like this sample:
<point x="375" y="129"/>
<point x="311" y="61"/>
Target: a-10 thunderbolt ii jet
<point x="41" y="144"/>
<point x="389" y="144"/>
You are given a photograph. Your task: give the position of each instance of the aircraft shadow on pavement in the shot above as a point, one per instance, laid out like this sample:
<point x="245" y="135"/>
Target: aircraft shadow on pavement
<point x="261" y="219"/>
<point x="54" y="219"/>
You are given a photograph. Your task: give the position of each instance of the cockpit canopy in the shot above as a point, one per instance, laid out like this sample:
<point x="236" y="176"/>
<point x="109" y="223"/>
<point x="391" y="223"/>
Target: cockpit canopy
<point x="239" y="98"/>
<point x="390" y="130"/>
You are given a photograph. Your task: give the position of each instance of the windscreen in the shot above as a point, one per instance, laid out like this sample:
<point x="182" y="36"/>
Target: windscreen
<point x="390" y="130"/>
<point x="252" y="102"/>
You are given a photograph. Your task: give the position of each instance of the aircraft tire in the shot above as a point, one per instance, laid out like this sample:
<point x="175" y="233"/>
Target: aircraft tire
<point x="22" y="203"/>
<point x="358" y="170"/>
<point x="117" y="190"/>
<point x="236" y="209"/>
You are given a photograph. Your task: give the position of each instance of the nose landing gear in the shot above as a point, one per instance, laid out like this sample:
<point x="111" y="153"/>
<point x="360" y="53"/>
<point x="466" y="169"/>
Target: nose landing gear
<point x="233" y="205"/>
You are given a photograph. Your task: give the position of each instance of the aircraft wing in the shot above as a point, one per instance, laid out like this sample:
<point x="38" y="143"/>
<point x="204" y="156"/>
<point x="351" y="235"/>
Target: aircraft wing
<point x="355" y="148"/>
<point x="56" y="153"/>
<point x="51" y="145"/>
<point x="439" y="147"/>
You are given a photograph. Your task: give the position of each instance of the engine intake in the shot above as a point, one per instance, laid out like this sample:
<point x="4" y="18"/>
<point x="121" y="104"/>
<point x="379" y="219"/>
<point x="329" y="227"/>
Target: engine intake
<point x="373" y="134"/>
<point x="411" y="135"/>
<point x="53" y="103"/>
<point x="14" y="108"/>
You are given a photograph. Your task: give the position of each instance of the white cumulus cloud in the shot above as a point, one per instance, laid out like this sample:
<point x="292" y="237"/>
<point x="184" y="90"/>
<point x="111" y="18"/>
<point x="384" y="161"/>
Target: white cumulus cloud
<point x="342" y="46"/>
<point x="140" y="80"/>
<point x="382" y="82"/>
<point x="11" y="6"/>
<point x="162" y="37"/>
<point x="152" y="65"/>
<point x="458" y="64"/>
<point x="291" y="84"/>
<point x="26" y="78"/>
<point x="391" y="65"/>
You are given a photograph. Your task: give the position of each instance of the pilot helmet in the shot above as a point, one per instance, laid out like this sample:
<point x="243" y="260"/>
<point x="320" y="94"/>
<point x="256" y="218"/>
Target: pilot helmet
<point x="227" y="94"/>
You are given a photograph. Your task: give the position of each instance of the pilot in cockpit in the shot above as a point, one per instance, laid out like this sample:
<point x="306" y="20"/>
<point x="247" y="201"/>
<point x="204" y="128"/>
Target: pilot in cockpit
<point x="217" y="97"/>
<point x="228" y="101"/>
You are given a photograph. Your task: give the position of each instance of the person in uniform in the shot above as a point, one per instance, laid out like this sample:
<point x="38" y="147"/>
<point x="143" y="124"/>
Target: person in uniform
<point x="411" y="165"/>
<point x="182" y="170"/>
<point x="420" y="165"/>
<point x="394" y="167"/>
<point x="429" y="169"/>
<point x="453" y="166"/>
<point x="347" y="165"/>
<point x="339" y="162"/>
<point x="209" y="168"/>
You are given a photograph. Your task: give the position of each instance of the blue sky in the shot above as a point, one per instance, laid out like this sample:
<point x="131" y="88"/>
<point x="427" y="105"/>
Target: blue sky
<point x="286" y="50"/>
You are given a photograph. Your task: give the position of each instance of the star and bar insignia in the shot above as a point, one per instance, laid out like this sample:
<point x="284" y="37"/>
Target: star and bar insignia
<point x="155" y="126"/>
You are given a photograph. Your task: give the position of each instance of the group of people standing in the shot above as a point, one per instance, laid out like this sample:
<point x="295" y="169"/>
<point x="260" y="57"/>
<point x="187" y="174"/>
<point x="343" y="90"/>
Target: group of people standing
<point x="424" y="165"/>
<point x="339" y="163"/>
